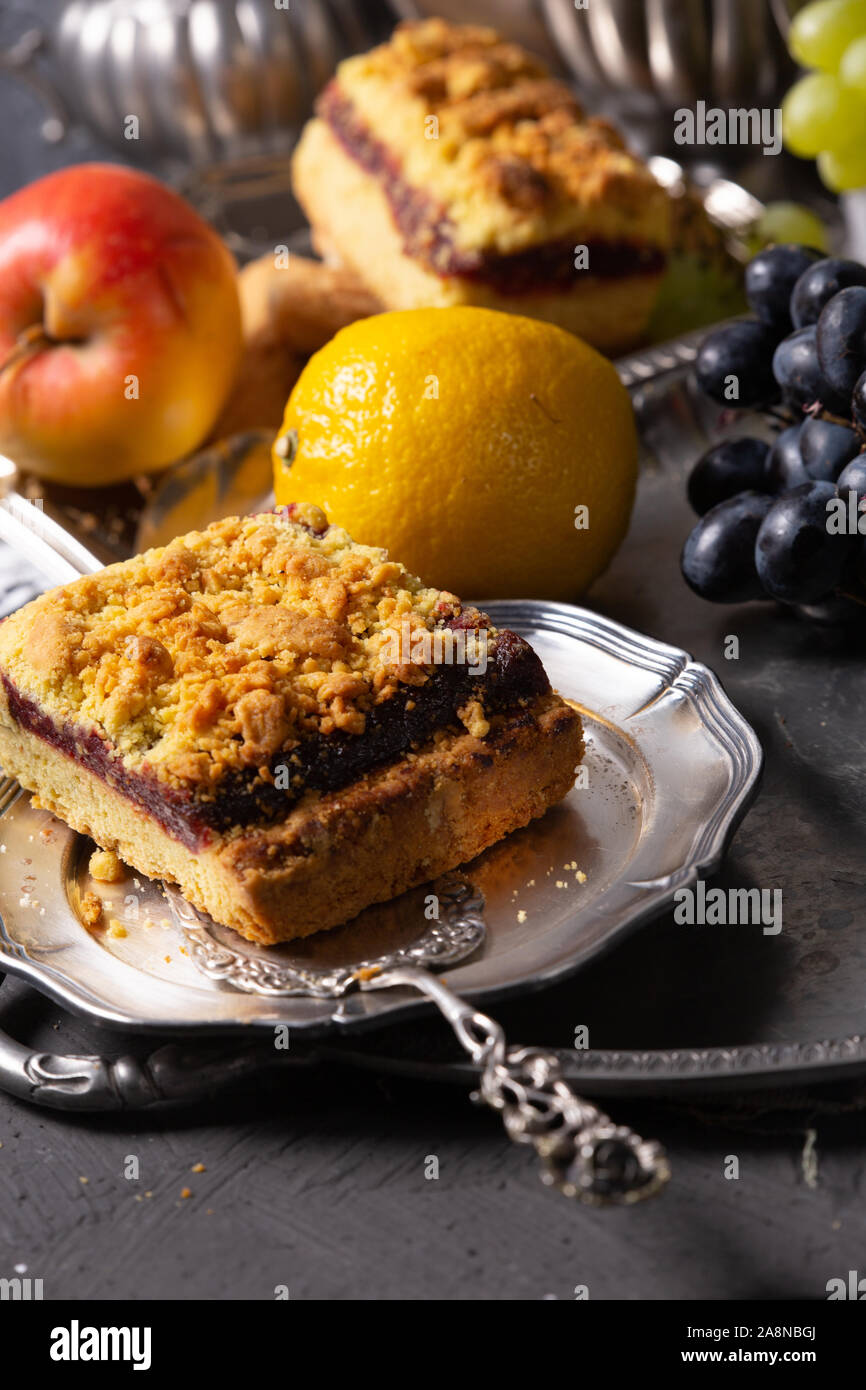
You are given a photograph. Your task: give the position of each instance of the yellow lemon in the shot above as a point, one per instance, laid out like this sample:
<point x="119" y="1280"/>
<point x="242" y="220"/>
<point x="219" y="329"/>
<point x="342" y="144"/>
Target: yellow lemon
<point x="493" y="455"/>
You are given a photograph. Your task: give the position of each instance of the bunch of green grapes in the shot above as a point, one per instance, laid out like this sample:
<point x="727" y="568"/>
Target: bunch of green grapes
<point x="824" y="114"/>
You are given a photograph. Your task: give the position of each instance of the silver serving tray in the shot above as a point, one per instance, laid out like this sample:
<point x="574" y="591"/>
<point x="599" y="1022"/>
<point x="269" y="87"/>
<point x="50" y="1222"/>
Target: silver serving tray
<point x="786" y="1016"/>
<point x="671" y="765"/>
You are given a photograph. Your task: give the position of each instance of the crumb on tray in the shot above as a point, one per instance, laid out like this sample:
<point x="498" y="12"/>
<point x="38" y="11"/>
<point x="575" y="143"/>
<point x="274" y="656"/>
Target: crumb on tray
<point x="91" y="909"/>
<point x="106" y="867"/>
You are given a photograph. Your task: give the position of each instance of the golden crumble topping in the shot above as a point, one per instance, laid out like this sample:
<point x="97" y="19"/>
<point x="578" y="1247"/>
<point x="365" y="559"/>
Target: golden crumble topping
<point x="227" y="646"/>
<point x="513" y="158"/>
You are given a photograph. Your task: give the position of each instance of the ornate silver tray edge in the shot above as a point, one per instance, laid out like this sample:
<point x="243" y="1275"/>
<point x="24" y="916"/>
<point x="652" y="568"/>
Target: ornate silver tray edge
<point x="659" y="1072"/>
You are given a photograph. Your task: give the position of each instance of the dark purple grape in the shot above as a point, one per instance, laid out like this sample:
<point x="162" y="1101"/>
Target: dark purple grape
<point x="738" y="357"/>
<point x="798" y="559"/>
<point x="770" y="280"/>
<point x="841" y="339"/>
<point x="858" y="402"/>
<point x="853" y="478"/>
<point x="785" y="466"/>
<point x="852" y="483"/>
<point x="797" y="370"/>
<point x="735" y="465"/>
<point x="819" y="283"/>
<point x="718" y="559"/>
<point x="827" y="447"/>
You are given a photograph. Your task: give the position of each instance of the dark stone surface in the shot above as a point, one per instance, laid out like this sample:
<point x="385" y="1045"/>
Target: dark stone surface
<point x="317" y="1180"/>
<point x="319" y="1183"/>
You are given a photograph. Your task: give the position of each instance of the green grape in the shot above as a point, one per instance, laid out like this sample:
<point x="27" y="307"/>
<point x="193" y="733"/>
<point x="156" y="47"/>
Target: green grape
<point x="816" y="111"/>
<point x="821" y="32"/>
<point x="852" y="69"/>
<point x="843" y="170"/>
<point x="787" y="222"/>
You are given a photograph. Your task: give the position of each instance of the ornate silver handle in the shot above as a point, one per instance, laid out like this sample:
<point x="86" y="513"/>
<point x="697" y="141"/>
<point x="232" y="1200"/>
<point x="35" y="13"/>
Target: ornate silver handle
<point x="583" y="1153"/>
<point x="172" y="1073"/>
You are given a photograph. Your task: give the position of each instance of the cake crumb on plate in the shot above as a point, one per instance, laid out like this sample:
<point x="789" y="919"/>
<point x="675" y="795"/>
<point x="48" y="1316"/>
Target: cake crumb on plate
<point x="106" y="867"/>
<point x="91" y="909"/>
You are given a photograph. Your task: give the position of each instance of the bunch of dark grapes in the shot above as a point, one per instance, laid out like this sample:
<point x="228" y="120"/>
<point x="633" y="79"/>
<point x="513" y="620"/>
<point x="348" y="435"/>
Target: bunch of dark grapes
<point x="776" y="519"/>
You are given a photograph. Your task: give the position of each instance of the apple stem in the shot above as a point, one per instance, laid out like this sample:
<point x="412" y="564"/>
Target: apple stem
<point x="32" y="338"/>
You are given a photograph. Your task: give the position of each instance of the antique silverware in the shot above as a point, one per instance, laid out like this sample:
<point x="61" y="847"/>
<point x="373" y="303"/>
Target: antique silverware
<point x="44" y="542"/>
<point x="218" y="80"/>
<point x="204" y="80"/>
<point x="211" y="94"/>
<point x="651" y="59"/>
<point x="583" y="1154"/>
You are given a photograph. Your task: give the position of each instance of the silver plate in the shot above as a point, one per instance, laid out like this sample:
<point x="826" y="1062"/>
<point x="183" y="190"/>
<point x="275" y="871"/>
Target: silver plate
<point x="671" y="767"/>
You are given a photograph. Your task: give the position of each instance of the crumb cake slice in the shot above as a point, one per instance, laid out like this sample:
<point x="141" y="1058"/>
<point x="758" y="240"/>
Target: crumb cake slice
<point x="448" y="167"/>
<point x="287" y="725"/>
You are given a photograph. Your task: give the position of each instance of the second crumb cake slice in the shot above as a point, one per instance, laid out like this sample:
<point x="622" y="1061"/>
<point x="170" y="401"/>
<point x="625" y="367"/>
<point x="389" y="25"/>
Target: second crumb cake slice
<point x="448" y="167"/>
<point x="287" y="725"/>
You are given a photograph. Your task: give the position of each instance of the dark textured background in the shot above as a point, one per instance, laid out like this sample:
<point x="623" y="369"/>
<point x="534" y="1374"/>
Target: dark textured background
<point x="317" y="1181"/>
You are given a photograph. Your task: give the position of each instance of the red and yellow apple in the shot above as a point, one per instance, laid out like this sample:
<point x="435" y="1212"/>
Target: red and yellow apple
<point x="120" y="330"/>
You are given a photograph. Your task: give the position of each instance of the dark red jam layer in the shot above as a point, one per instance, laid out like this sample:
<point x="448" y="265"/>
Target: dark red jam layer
<point x="324" y="763"/>
<point x="429" y="235"/>
<point x="173" y="810"/>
